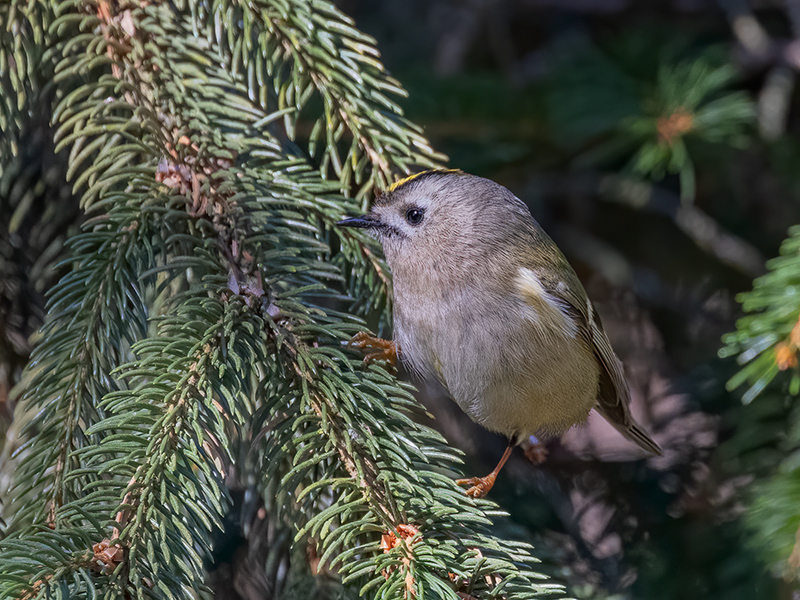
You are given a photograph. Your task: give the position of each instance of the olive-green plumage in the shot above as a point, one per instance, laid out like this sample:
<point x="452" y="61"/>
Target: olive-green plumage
<point x="486" y="302"/>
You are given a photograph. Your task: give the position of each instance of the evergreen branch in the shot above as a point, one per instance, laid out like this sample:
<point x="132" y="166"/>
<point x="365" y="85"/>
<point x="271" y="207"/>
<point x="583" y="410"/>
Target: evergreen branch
<point x="237" y="109"/>
<point x="36" y="209"/>
<point x="25" y="71"/>
<point x="314" y="48"/>
<point x="766" y="344"/>
<point x="173" y="450"/>
<point x="96" y="311"/>
<point x="767" y="338"/>
<point x="245" y="209"/>
<point x="26" y="575"/>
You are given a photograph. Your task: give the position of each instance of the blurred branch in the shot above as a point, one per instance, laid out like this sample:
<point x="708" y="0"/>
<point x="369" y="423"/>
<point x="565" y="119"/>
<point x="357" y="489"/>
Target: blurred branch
<point x="746" y="28"/>
<point x="780" y="56"/>
<point x="601" y="256"/>
<point x="701" y="228"/>
<point x="774" y="102"/>
<point x="464" y="25"/>
<point x="759" y="50"/>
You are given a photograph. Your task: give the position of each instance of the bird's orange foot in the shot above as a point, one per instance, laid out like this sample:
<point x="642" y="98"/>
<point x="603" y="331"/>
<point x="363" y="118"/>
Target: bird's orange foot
<point x="375" y="348"/>
<point x="480" y="486"/>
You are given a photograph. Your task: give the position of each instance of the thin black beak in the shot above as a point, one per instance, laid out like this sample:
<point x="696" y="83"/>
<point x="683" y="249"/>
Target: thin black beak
<point x="364" y="222"/>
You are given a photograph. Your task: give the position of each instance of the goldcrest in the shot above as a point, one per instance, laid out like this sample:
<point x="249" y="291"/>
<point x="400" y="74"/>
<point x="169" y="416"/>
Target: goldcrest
<point x="486" y="302"/>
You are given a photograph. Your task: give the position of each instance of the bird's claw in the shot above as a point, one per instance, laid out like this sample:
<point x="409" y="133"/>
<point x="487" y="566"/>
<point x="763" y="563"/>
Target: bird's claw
<point x="480" y="486"/>
<point x="376" y="348"/>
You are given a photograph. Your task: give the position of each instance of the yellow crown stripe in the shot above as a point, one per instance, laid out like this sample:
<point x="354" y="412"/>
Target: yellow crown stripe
<point x="401" y="182"/>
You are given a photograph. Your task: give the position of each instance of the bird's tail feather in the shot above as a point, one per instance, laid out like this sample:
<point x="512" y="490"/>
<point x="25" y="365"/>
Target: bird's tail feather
<point x="640" y="437"/>
<point x="625" y="424"/>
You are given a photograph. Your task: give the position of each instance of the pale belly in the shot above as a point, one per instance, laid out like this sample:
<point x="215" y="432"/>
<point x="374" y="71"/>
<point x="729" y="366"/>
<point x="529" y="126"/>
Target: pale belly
<point x="509" y="377"/>
<point x="545" y="395"/>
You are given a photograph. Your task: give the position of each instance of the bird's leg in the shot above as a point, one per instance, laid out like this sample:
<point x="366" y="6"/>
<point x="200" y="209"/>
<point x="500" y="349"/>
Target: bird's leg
<point x="482" y="485"/>
<point x="375" y="348"/>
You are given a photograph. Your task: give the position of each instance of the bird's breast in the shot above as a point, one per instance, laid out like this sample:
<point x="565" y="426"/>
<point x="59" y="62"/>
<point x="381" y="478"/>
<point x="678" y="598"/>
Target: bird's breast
<point x="499" y="364"/>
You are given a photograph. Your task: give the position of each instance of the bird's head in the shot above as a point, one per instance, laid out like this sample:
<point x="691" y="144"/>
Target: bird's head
<point x="446" y="227"/>
<point x="424" y="215"/>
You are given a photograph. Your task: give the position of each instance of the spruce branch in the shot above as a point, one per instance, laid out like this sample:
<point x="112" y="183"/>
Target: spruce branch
<point x="767" y="338"/>
<point x="245" y="293"/>
<point x="25" y="70"/>
<point x="314" y="49"/>
<point x="93" y="322"/>
<point x="174" y="447"/>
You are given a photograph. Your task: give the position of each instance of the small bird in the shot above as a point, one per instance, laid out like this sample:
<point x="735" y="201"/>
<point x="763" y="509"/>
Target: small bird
<point x="486" y="302"/>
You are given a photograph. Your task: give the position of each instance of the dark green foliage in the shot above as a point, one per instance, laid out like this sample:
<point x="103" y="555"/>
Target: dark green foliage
<point x="196" y="338"/>
<point x="763" y="338"/>
<point x="36" y="206"/>
<point x="653" y="113"/>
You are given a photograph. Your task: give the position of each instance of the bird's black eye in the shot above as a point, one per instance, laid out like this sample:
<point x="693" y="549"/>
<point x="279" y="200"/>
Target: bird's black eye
<point x="414" y="215"/>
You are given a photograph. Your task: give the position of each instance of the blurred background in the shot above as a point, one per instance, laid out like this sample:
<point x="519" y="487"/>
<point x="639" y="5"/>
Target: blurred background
<point x="657" y="143"/>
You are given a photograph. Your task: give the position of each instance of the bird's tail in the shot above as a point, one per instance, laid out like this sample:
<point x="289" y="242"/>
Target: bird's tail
<point x="640" y="437"/>
<point x="632" y="431"/>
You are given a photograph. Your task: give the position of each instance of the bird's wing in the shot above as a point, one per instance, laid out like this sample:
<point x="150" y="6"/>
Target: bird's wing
<point x="613" y="395"/>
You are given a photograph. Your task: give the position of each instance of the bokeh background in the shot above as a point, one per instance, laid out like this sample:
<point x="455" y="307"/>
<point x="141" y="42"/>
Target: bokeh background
<point x="657" y="143"/>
